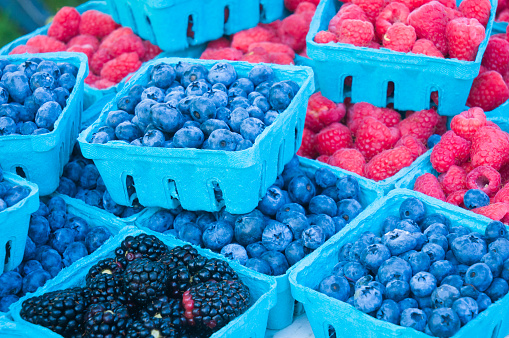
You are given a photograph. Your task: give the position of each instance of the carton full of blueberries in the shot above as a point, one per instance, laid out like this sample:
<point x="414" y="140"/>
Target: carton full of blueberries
<point x="204" y="134"/>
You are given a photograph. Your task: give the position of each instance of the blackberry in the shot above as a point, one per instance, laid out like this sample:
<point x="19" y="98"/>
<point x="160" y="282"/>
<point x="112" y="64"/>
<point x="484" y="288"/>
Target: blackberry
<point x="179" y="256"/>
<point x="108" y="266"/>
<point x="105" y="288"/>
<point x="212" y="305"/>
<point x="60" y="311"/>
<point x="166" y="308"/>
<point x="153" y="327"/>
<point x="141" y="246"/>
<point x="108" y="319"/>
<point x="145" y="280"/>
<point x="198" y="270"/>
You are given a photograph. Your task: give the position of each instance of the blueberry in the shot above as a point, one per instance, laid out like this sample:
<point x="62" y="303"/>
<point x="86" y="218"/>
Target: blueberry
<point x="439" y="240"/>
<point x="6" y="301"/>
<point x="441" y="269"/>
<point x="423" y="284"/>
<point x="324" y="222"/>
<point x="479" y="275"/>
<point x="221" y="139"/>
<point x="374" y="255"/>
<point x="57" y="219"/>
<point x="495" y="230"/>
<point x="301" y="190"/>
<point x="235" y="252"/>
<point x="335" y="287"/>
<point x="272" y="201"/>
<point x="248" y="230"/>
<point x="394" y="268"/>
<point x="466" y="309"/>
<point x="18" y="86"/>
<point x="259" y="265"/>
<point x="42" y="79"/>
<point x="297" y="223"/>
<point x="276" y="236"/>
<point x="500" y="246"/>
<point x="7" y="126"/>
<point x="29" y="249"/>
<point x="469" y="249"/>
<point x="188" y="137"/>
<point x="143" y="112"/>
<point x="348" y="188"/>
<point x="313" y="237"/>
<point x="192" y="73"/>
<point x="160" y="221"/>
<point x="67" y="81"/>
<point x="166" y="118"/>
<point x="436" y="229"/>
<point x="433" y="140"/>
<point x="434" y="251"/>
<point x="10" y="283"/>
<point x="62" y="238"/>
<point x="153" y="93"/>
<point x="163" y="75"/>
<point x="96" y="237"/>
<point x="153" y="138"/>
<point x="420" y="240"/>
<point x="255" y="250"/>
<point x="322" y="204"/>
<point x="414" y="318"/>
<point x="28" y="67"/>
<point x="295" y="251"/>
<point x="183" y="218"/>
<point x="407" y="303"/>
<point x="412" y="208"/>
<point x="453" y="280"/>
<point x="51" y="261"/>
<point x="190" y="233"/>
<point x="399" y="241"/>
<point x="261" y="73"/>
<point x="110" y="205"/>
<point x="483" y="302"/>
<point x="79" y="226"/>
<point x="48" y="114"/>
<point x="389" y="312"/>
<point x="222" y="72"/>
<point x="397" y="290"/>
<point x="444" y="296"/>
<point x="367" y="238"/>
<point x="251" y="128"/>
<point x="209" y="126"/>
<point x="196" y="88"/>
<point x="339" y="223"/>
<point x="56" y="203"/>
<point x="180" y="68"/>
<point x="494" y="261"/>
<point x="89" y="177"/>
<point x="35" y="280"/>
<point x="64" y="67"/>
<point x="218" y="97"/>
<point x="444" y="322"/>
<point x="353" y="271"/>
<point x="475" y="198"/>
<point x="128" y="104"/>
<point x="367" y="299"/>
<point x="287" y="211"/>
<point x="219" y="86"/>
<point x="49" y="67"/>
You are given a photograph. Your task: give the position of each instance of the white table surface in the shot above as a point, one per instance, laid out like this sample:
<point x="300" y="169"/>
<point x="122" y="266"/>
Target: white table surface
<point x="300" y="328"/>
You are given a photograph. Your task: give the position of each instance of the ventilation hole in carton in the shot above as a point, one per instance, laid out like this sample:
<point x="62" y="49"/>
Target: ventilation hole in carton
<point x="280" y="158"/>
<point x="190" y="31"/>
<point x="391" y="87"/>
<point x="20" y="172"/>
<point x="129" y="184"/>
<point x="331" y="332"/>
<point x="226" y="14"/>
<point x="8" y="247"/>
<point x="263" y="173"/>
<point x="262" y="12"/>
<point x="347" y="86"/>
<point x="496" y="331"/>
<point x="149" y="25"/>
<point x="131" y="18"/>
<point x="433" y="98"/>
<point x="218" y="193"/>
<point x="172" y="186"/>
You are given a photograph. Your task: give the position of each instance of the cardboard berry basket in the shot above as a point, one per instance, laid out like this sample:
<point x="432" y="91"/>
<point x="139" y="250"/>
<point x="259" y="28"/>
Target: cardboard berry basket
<point x="165" y="177"/>
<point x="177" y="24"/>
<point x="14" y="223"/>
<point x="415" y="77"/>
<point x="499" y="27"/>
<point x="282" y="314"/>
<point x="41" y="158"/>
<point x="326" y="313"/>
<point x="11" y="329"/>
<point x="251" y="323"/>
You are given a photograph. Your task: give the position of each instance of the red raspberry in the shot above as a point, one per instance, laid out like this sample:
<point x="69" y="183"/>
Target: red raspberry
<point x="476" y="9"/>
<point x="118" y="68"/>
<point x="322" y="112"/>
<point x="467" y="166"/>
<point x="97" y="24"/>
<point x="325" y="37"/>
<point x="292" y="5"/>
<point x="421" y="124"/>
<point x="103" y="84"/>
<point x="411" y="4"/>
<point x="426" y="47"/>
<point x="502" y="195"/>
<point x="456" y="198"/>
<point x="399" y="38"/>
<point x="151" y="50"/>
<point x="395" y="135"/>
<point x="503" y="16"/>
<point x="356" y="32"/>
<point x="323" y="158"/>
<point x="273" y="26"/>
<point x="81" y="40"/>
<point x="243" y="39"/>
<point x="495" y="211"/>
<point x="488" y="91"/>
<point x="306" y="7"/>
<point x="256" y="57"/>
<point x="388" y="163"/>
<point x="272" y="47"/>
<point x="358" y="112"/>
<point x="99" y="59"/>
<point x="86" y="49"/>
<point x="428" y="184"/>
<point x="453" y="180"/>
<point x="452" y="149"/>
<point x="372" y="137"/>
<point x="65" y="25"/>
<point x="332" y="138"/>
<point x="393" y="13"/>
<point x="464" y="37"/>
<point x="109" y="40"/>
<point x="441" y="127"/>
<point x="372" y="8"/>
<point x="127" y="43"/>
<point x="496" y="56"/>
<point x="389" y="117"/>
<point x="293" y="31"/>
<point x="308" y="144"/>
<point x="22" y="49"/>
<point x="430" y="21"/>
<point x="492" y="124"/>
<point x="453" y="13"/>
<point x="468" y="122"/>
<point x="449" y="4"/>
<point x="91" y="79"/>
<point x="346" y="12"/>
<point x="416" y="147"/>
<point x="46" y="44"/>
<point x="281" y="59"/>
<point x="348" y="159"/>
<point x="231" y="54"/>
<point x="490" y="146"/>
<point x="219" y="43"/>
<point x="484" y="178"/>
<point x="504" y="173"/>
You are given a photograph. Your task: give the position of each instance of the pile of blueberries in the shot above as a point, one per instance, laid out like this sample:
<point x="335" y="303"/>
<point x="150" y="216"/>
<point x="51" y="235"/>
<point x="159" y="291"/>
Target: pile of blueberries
<point x="189" y="106"/>
<point x="11" y="194"/>
<point x="298" y="214"/>
<point x="82" y="180"/>
<point x="33" y="95"/>
<point x="56" y="239"/>
<point x="422" y="272"/>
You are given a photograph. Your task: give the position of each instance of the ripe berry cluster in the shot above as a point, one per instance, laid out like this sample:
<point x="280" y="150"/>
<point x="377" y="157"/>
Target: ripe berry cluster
<point x="422" y="271"/>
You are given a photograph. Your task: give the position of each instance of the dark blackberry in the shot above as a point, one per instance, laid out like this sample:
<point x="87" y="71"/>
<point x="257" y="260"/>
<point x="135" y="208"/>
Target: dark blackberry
<point x="166" y="308"/>
<point x="198" y="270"/>
<point x="60" y="311"/>
<point x="105" y="288"/>
<point x="141" y="246"/>
<point x="108" y="266"/>
<point x="107" y="320"/>
<point x="179" y="256"/>
<point x="212" y="305"/>
<point x="145" y="280"/>
<point x="153" y="328"/>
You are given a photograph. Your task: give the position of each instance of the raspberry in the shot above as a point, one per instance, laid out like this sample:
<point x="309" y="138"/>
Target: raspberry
<point x="441" y="127"/>
<point x="416" y="147"/>
<point x="400" y="38"/>
<point x="219" y="43"/>
<point x="91" y="78"/>
<point x="308" y="144"/>
<point x="428" y="184"/>
<point x="356" y="32"/>
<point x="88" y="50"/>
<point x="293" y="31"/>
<point x="468" y="122"/>
<point x="372" y="137"/>
<point x="496" y="56"/>
<point x="492" y="124"/>
<point x="358" y="112"/>
<point x="272" y="47"/>
<point x="421" y="124"/>
<point x="243" y="39"/>
<point x="348" y="159"/>
<point x="484" y="178"/>
<point x="394" y="12"/>
<point x="495" y="211"/>
<point x="292" y="5"/>
<point x="426" y="47"/>
<point x="81" y="40"/>
<point x="488" y="91"/>
<point x="389" y="117"/>
<point x="467" y="166"/>
<point x="151" y="50"/>
<point x="322" y="112"/>
<point x="231" y="54"/>
<point x="502" y="195"/>
<point x="503" y="16"/>
<point x="476" y="9"/>
<point x="127" y="43"/>
<point x="490" y="146"/>
<point x="504" y="173"/>
<point x="346" y="12"/>
<point x="456" y="198"/>
<point x="410" y="4"/>
<point x="103" y="84"/>
<point x="254" y="57"/>
<point x="97" y="24"/>
<point x="65" y="25"/>
<point x="453" y="180"/>
<point x="22" y="49"/>
<point x="115" y="70"/>
<point x="451" y="149"/>
<point x="332" y="138"/>
<point x="388" y="163"/>
<point x="109" y="40"/>
<point x="306" y="7"/>
<point x="99" y="59"/>
<point x="325" y="37"/>
<point x="430" y="21"/>
<point x="453" y="13"/>
<point x="273" y="26"/>
<point x="372" y="8"/>
<point x="323" y="158"/>
<point x="395" y="135"/>
<point x="280" y="59"/>
<point x="464" y="37"/>
<point x="46" y="44"/>
<point x="375" y="45"/>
